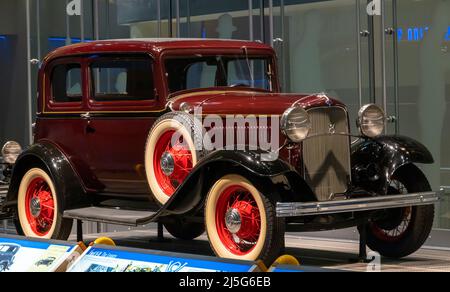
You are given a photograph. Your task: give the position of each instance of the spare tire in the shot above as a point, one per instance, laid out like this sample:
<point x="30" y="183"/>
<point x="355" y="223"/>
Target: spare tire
<point x="174" y="147"/>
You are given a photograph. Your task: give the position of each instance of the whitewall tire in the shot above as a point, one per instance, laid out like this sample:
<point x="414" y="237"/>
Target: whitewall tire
<point x="240" y="221"/>
<point x="169" y="161"/>
<point x="37" y="205"/>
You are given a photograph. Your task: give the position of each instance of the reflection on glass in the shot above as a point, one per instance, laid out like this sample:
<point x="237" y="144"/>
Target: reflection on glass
<point x="424" y="63"/>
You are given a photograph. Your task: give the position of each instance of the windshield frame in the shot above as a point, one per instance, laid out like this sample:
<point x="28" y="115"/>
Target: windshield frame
<point x="238" y="54"/>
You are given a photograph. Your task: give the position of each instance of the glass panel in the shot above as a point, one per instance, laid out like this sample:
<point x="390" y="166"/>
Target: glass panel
<point x="130" y="18"/>
<point x="122" y="79"/>
<point x="424" y="86"/>
<point x="14" y="121"/>
<point x="224" y="19"/>
<point x="66" y="83"/>
<point x="321" y="50"/>
<point x="205" y="72"/>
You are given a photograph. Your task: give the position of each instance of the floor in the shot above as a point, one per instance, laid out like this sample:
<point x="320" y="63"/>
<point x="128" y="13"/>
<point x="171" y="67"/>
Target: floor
<point x="311" y="251"/>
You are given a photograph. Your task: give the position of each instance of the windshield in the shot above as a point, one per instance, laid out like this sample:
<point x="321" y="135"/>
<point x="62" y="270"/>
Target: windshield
<point x="219" y="71"/>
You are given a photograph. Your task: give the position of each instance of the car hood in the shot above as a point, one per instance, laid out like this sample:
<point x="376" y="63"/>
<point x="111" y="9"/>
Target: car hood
<point x="224" y="102"/>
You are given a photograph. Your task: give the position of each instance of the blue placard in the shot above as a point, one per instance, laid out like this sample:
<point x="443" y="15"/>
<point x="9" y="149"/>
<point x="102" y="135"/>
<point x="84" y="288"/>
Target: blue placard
<point x="19" y="254"/>
<point x="105" y="259"/>
<point x="28" y="243"/>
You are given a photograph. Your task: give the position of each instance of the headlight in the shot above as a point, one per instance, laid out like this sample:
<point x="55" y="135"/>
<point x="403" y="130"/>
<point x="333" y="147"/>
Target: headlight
<point x="371" y="120"/>
<point x="296" y="124"/>
<point x="11" y="151"/>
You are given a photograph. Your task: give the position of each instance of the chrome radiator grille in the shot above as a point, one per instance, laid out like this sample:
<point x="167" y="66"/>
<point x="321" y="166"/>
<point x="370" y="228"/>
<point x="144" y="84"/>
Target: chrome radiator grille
<point x="326" y="157"/>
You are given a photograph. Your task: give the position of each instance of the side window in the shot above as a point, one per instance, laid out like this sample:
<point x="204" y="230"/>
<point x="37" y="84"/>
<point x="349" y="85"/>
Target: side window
<point x="66" y="83"/>
<point x="122" y="79"/>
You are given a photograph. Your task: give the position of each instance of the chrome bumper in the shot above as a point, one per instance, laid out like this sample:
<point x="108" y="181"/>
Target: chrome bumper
<point x="357" y="205"/>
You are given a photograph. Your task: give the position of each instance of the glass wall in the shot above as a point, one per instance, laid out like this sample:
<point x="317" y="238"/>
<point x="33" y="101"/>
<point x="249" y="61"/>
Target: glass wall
<point x="14" y="120"/>
<point x="424" y="85"/>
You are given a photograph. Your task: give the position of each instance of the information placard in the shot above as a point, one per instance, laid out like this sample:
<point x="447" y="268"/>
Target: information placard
<point x="115" y="259"/>
<point x="19" y="254"/>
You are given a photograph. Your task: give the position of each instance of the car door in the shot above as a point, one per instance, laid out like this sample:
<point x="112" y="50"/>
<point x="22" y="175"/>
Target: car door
<point x="63" y="94"/>
<point x="123" y="105"/>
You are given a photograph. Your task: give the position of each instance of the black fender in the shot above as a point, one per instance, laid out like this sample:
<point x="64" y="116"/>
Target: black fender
<point x="277" y="177"/>
<point x="374" y="161"/>
<point x="49" y="157"/>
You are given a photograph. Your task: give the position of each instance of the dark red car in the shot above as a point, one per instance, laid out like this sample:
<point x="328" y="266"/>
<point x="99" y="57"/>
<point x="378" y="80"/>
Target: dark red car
<point x="196" y="134"/>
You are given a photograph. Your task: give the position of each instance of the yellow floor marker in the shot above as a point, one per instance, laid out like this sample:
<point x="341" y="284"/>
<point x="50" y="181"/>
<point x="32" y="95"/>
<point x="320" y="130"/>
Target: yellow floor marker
<point x="104" y="241"/>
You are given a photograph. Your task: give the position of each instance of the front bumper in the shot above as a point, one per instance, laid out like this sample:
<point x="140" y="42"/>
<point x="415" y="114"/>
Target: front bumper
<point x="298" y="209"/>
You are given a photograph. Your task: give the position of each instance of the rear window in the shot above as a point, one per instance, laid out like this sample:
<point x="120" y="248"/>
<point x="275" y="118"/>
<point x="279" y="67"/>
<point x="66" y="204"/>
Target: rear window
<point x="66" y="83"/>
<point x="122" y="79"/>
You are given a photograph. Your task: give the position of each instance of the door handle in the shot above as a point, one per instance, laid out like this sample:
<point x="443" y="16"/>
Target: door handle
<point x="87" y="117"/>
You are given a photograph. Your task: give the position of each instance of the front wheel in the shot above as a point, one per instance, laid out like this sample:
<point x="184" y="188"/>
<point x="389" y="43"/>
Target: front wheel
<point x="39" y="208"/>
<point x="404" y="230"/>
<point x="241" y="222"/>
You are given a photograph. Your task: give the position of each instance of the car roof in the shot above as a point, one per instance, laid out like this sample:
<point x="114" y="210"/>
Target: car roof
<point x="155" y="45"/>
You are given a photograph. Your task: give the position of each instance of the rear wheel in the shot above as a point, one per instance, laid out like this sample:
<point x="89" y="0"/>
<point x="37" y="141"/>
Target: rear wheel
<point x="241" y="223"/>
<point x="38" y="208"/>
<point x="404" y="230"/>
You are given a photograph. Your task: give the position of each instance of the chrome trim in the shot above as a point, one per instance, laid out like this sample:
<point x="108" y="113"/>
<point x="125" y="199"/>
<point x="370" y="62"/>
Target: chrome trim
<point x="233" y="220"/>
<point x="3" y="191"/>
<point x="357" y="205"/>
<point x="333" y="134"/>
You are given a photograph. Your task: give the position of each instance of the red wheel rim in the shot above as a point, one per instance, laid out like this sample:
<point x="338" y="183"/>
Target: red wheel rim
<point x="398" y="232"/>
<point x="181" y="162"/>
<point x="40" y="206"/>
<point x="239" y="239"/>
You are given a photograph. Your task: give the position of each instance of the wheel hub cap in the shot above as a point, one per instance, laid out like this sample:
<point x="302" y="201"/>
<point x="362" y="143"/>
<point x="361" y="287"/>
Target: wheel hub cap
<point x="238" y="220"/>
<point x="167" y="164"/>
<point x="35" y="207"/>
<point x="233" y="221"/>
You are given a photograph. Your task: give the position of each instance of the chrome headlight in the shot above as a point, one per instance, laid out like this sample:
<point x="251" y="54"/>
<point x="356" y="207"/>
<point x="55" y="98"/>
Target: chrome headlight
<point x="10" y="151"/>
<point x="371" y="120"/>
<point x="296" y="124"/>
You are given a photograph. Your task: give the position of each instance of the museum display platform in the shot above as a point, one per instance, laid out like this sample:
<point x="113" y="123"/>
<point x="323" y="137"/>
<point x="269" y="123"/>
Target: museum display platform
<point x="145" y="251"/>
<point x="325" y="254"/>
<point x="21" y="254"/>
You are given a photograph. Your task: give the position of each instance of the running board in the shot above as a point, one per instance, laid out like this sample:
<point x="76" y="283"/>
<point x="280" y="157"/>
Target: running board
<point x="111" y="216"/>
<point x="298" y="209"/>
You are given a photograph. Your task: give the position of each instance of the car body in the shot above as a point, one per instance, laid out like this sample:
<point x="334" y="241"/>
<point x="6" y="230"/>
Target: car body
<point x="104" y="151"/>
<point x="7" y="255"/>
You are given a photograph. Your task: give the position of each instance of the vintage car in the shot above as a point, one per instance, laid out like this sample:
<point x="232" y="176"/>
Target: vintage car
<point x="47" y="262"/>
<point x="8" y="253"/>
<point x="118" y="139"/>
